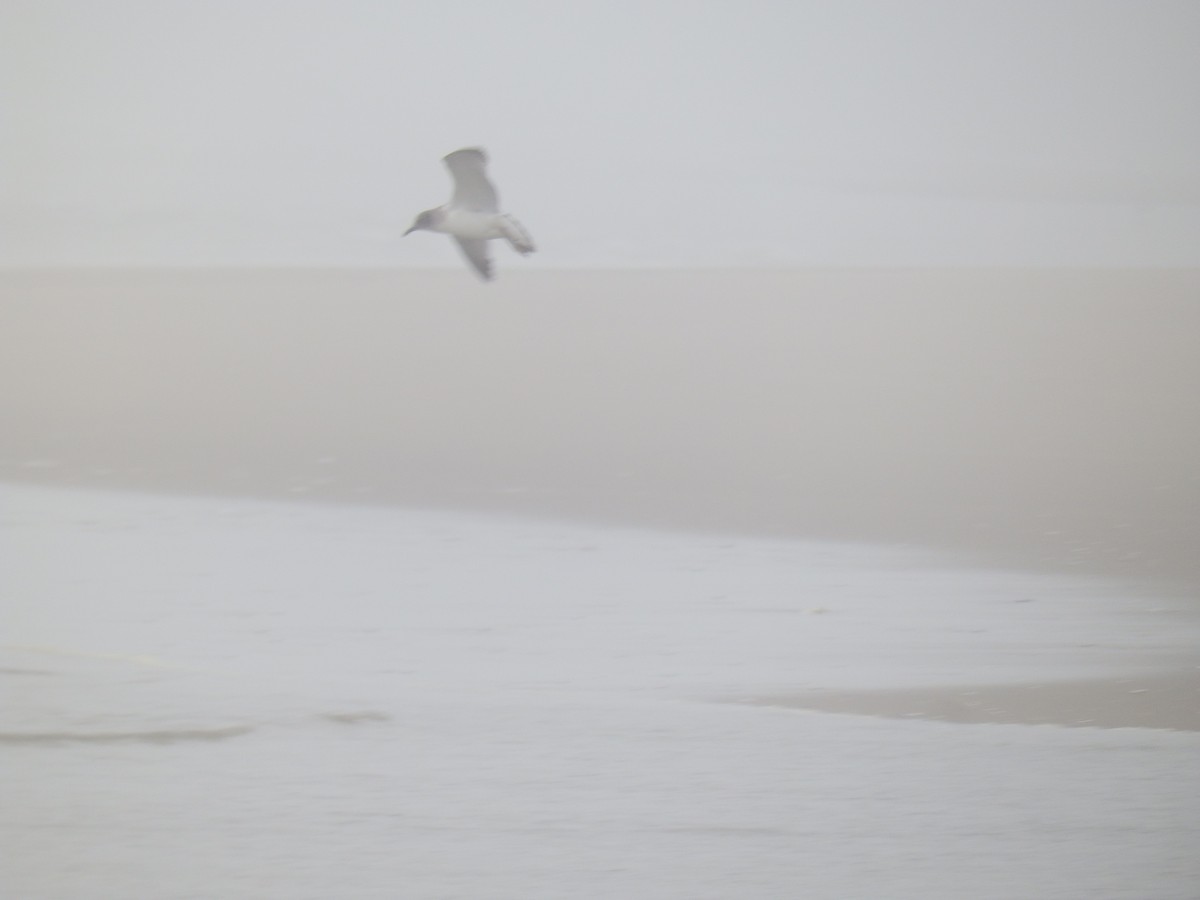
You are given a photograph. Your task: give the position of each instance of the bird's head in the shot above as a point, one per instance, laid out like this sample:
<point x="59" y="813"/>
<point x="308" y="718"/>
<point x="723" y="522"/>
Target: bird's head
<point x="425" y="222"/>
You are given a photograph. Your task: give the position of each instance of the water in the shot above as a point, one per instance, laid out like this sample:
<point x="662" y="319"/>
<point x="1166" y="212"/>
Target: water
<point x="210" y="698"/>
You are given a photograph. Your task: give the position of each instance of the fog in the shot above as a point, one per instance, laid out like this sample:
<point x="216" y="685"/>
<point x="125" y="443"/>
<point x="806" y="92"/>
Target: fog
<point x="815" y="513"/>
<point x="927" y="132"/>
<point x="1044" y="418"/>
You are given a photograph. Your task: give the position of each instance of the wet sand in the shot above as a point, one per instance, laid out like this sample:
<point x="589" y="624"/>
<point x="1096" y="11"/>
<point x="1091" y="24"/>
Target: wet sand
<point x="1040" y="419"/>
<point x="1170" y="701"/>
<point x="1031" y="417"/>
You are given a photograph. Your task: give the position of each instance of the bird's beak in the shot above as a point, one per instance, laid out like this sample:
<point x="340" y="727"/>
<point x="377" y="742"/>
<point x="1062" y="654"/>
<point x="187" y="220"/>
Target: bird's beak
<point x="410" y="231"/>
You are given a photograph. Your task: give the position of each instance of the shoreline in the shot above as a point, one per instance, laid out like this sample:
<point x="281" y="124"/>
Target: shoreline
<point x="1164" y="700"/>
<point x="1145" y="691"/>
<point x="1039" y="420"/>
<point x="1176" y="581"/>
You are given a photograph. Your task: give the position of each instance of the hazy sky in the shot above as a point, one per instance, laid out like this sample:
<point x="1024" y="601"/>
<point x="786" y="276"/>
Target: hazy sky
<point x="621" y="133"/>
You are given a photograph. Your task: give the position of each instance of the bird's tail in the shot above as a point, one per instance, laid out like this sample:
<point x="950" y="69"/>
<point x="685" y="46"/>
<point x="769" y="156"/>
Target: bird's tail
<point x="517" y="235"/>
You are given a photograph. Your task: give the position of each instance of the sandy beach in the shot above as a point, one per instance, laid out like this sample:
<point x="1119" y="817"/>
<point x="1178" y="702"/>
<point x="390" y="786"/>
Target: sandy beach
<point x="706" y="582"/>
<point x="1040" y="418"/>
<point x="299" y="700"/>
<point x="1037" y="419"/>
<point x="733" y="451"/>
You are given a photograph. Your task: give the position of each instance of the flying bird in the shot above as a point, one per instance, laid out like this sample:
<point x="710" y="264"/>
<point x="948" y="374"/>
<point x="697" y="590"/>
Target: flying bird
<point x="473" y="217"/>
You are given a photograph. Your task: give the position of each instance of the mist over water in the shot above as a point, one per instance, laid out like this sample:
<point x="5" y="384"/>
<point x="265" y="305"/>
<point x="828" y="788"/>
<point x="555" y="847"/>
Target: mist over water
<point x="678" y="563"/>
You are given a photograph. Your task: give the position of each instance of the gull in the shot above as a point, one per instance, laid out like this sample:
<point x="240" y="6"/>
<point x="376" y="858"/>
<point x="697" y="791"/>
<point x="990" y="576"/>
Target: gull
<point x="473" y="217"/>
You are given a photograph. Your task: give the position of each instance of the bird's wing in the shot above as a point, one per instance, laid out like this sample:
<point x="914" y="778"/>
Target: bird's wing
<point x="476" y="253"/>
<point x="472" y="190"/>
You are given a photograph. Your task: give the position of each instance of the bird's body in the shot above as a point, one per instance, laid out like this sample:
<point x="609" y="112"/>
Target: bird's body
<point x="473" y="217"/>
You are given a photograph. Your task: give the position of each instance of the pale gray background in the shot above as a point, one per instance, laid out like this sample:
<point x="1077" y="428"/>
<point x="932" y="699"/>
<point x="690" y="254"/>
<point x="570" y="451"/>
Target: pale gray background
<point x="1062" y="132"/>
